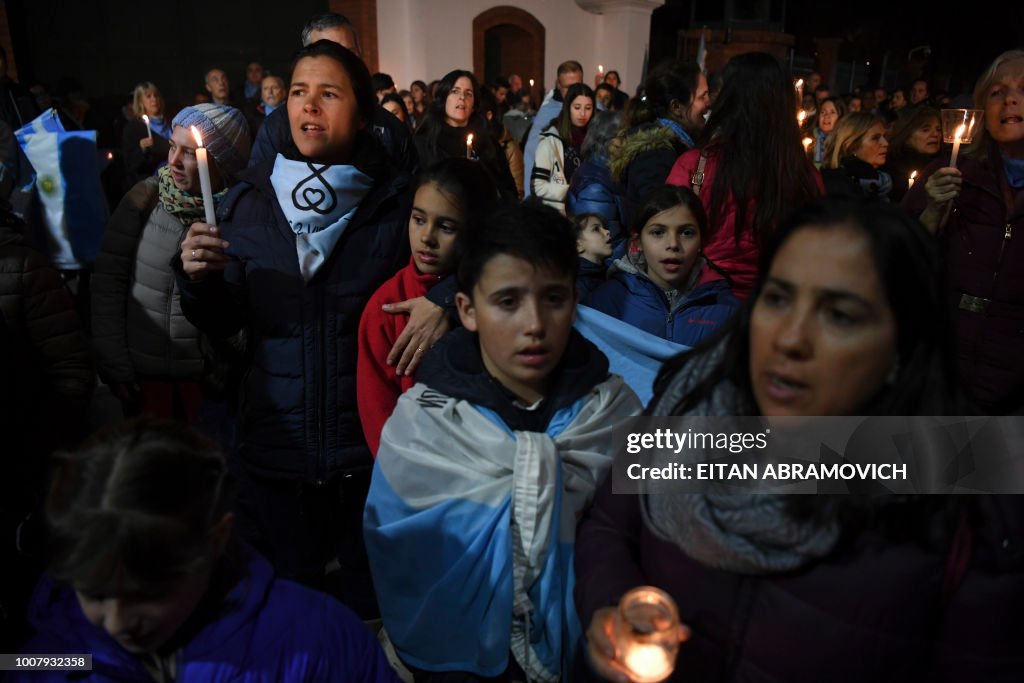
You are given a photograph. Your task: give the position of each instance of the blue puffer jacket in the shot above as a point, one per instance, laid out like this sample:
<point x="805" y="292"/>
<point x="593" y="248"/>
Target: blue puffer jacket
<point x="298" y="414"/>
<point x="632" y="297"/>
<point x="265" y="629"/>
<point x="592" y="190"/>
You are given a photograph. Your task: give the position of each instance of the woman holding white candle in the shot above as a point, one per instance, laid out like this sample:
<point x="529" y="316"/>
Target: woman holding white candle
<point x="299" y="248"/>
<point x="975" y="210"/>
<point x="454" y="114"/>
<point x="144" y="144"/>
<point x="146" y="352"/>
<point x="915" y="142"/>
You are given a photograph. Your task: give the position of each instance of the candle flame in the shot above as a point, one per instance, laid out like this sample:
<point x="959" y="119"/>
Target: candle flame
<point x="469" y="140"/>
<point x="807" y="142"/>
<point x="600" y="68"/>
<point x="801" y="116"/>
<point x="531" y="82"/>
<point x="913" y="176"/>
<point x="197" y="136"/>
<point x="959" y="132"/>
<point x="110" y="155"/>
<point x="799" y="83"/>
<point x="145" y="118"/>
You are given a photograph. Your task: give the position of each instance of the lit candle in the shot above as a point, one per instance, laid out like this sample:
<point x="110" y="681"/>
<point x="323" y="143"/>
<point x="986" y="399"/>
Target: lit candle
<point x="149" y="131"/>
<point x="469" y="146"/>
<point x="807" y="142"/>
<point x="647" y="662"/>
<point x="204" y="177"/>
<point x="799" y="91"/>
<point x="956" y="144"/>
<point x="531" y="82"/>
<point x="800" y="117"/>
<point x="911" y="179"/>
<point x="600" y="68"/>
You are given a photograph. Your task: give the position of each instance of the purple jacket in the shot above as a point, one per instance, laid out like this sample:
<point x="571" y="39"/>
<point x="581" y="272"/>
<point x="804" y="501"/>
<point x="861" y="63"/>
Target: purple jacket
<point x="871" y="611"/>
<point x="983" y="246"/>
<point x="265" y="629"/>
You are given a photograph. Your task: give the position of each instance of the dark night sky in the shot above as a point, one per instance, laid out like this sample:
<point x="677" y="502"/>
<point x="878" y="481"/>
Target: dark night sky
<point x="962" y="43"/>
<point x="109" y="45"/>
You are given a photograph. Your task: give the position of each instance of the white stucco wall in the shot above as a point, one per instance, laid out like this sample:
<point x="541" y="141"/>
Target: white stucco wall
<point x="425" y="39"/>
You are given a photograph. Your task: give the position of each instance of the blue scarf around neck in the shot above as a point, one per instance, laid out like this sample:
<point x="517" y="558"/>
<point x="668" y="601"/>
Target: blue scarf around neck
<point x="319" y="201"/>
<point x="678" y="130"/>
<point x="1014" y="171"/>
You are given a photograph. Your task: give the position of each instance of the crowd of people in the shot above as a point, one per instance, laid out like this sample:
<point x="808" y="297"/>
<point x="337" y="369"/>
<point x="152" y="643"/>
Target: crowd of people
<point x="377" y="391"/>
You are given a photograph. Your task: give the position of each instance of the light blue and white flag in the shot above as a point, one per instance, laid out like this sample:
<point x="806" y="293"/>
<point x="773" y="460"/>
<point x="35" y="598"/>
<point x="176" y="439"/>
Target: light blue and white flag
<point x="632" y="353"/>
<point x="67" y="176"/>
<point x="470" y="529"/>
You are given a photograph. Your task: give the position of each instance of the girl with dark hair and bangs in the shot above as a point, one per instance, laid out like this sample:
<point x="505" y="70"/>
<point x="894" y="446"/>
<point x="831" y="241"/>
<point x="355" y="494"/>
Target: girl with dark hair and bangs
<point x="653" y="287"/>
<point x="455" y="114"/>
<point x="847" y="317"/>
<point x="148" y="576"/>
<point x="750" y="171"/>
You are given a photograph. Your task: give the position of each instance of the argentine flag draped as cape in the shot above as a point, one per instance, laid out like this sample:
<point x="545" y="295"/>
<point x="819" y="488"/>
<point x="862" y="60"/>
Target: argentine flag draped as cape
<point x="470" y="529"/>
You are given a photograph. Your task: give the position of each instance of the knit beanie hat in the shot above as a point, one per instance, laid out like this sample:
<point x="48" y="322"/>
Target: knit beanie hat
<point x="225" y="134"/>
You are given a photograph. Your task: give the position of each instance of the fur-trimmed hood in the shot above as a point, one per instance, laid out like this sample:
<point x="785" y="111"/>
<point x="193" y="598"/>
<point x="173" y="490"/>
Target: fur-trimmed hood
<point x="636" y="141"/>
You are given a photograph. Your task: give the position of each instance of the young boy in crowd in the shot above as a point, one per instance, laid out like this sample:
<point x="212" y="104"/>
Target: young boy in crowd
<point x="594" y="245"/>
<point x="487" y="461"/>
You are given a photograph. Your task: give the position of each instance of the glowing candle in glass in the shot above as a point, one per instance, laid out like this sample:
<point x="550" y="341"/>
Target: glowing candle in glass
<point x="648" y="634"/>
<point x="204" y="177"/>
<point x="959" y="127"/>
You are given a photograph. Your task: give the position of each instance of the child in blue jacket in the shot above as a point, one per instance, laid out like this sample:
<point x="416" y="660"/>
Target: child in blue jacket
<point x="654" y="287"/>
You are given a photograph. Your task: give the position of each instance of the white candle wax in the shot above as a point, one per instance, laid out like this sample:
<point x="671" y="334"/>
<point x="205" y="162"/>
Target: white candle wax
<point x="149" y="131"/>
<point x="469" y="146"/>
<point x="648" y="663"/>
<point x="911" y="179"/>
<point x="956" y="144"/>
<point x="204" y="178"/>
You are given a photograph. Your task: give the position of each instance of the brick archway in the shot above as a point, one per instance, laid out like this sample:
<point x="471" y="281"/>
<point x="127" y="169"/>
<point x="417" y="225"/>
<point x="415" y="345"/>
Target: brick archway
<point x="522" y="40"/>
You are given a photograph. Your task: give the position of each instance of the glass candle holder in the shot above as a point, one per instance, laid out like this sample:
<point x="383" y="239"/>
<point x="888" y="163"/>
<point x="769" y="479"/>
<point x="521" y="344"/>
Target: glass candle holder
<point x="648" y="634"/>
<point x="953" y="119"/>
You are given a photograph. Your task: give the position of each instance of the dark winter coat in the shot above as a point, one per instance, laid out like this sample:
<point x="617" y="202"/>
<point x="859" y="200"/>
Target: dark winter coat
<point x="634" y="298"/>
<point x="592" y="190"/>
<point x="264" y="629"/>
<point x="642" y="163"/>
<point x="299" y="415"/>
<point x="870" y="611"/>
<point x="983" y="245"/>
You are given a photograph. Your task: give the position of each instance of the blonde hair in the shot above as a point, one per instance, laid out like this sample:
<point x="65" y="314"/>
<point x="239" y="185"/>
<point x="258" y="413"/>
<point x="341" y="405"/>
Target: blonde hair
<point x="982" y="142"/>
<point x="847" y="136"/>
<point x="140" y="91"/>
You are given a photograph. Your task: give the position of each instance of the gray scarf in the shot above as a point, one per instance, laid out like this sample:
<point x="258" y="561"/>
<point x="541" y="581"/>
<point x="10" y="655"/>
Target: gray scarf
<point x="742" y="533"/>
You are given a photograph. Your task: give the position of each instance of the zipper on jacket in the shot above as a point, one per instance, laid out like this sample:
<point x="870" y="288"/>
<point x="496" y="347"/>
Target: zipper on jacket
<point x="999" y="259"/>
<point x="321" y="408"/>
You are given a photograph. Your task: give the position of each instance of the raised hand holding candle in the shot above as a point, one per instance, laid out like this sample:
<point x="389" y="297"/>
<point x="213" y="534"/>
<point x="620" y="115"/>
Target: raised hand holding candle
<point x="204" y="178"/>
<point x="957" y="137"/>
<point x="149" y="131"/>
<point x="469" y="146"/>
<point x="911" y="179"/>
